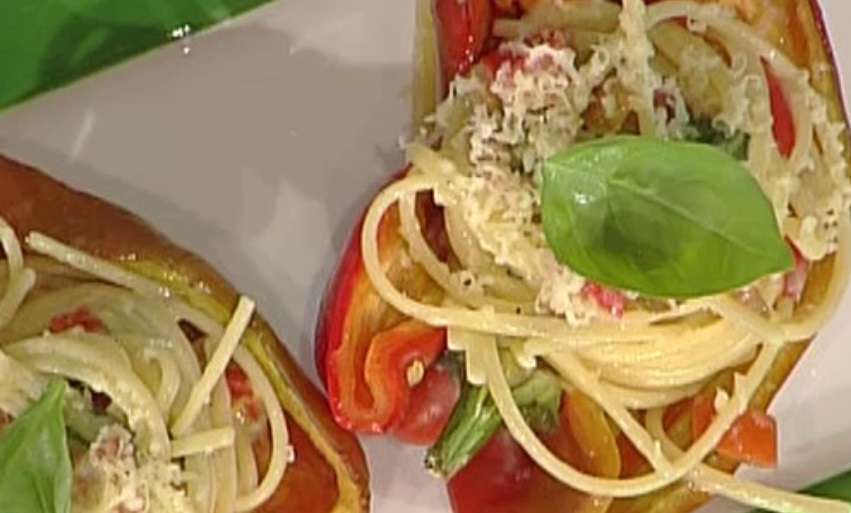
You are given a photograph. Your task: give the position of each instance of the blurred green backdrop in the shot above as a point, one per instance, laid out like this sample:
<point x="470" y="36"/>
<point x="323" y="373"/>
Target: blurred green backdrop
<point x="45" y="44"/>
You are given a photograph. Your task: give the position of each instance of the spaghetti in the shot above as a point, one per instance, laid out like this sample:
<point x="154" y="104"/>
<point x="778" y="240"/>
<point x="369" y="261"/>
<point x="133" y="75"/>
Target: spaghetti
<point x="119" y="336"/>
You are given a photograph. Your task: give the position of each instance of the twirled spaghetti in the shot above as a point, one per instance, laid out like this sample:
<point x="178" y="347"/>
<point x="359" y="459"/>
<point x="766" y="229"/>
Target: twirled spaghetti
<point x="151" y="374"/>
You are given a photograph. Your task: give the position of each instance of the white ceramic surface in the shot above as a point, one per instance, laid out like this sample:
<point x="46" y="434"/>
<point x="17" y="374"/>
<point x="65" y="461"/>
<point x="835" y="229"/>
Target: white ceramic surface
<point x="257" y="144"/>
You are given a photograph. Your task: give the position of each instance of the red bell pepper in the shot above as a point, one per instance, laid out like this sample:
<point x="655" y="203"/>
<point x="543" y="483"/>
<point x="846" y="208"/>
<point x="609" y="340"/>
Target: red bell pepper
<point x="79" y="318"/>
<point x="370" y="356"/>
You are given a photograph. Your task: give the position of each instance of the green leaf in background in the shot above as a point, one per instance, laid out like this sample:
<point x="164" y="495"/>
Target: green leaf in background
<point x="35" y="467"/>
<point x="662" y="218"/>
<point x="837" y="487"/>
<point x="45" y="44"/>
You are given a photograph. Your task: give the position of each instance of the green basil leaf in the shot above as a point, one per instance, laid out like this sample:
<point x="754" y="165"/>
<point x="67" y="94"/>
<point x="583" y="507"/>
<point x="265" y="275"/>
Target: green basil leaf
<point x="663" y="218"/>
<point x="35" y="467"/>
<point x="705" y="130"/>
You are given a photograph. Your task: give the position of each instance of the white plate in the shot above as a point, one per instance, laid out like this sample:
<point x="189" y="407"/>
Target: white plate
<point x="257" y="144"/>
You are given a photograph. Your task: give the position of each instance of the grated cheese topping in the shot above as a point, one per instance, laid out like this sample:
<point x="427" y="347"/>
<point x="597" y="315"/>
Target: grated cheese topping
<point x="635" y="72"/>
<point x="108" y="479"/>
<point x="540" y="101"/>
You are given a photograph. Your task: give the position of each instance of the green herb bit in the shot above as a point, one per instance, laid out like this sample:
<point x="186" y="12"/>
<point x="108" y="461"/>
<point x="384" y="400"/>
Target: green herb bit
<point x="81" y="420"/>
<point x="732" y="142"/>
<point x="475" y="419"/>
<point x="669" y="219"/>
<point x="539" y="399"/>
<point x="35" y="467"/>
<point x="472" y="423"/>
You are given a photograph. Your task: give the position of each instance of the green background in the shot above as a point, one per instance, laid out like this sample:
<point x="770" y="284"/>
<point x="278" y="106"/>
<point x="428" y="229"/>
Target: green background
<point x="45" y="44"/>
<point x="838" y="487"/>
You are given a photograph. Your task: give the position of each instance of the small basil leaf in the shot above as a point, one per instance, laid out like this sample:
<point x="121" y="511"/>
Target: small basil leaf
<point x="706" y="130"/>
<point x="35" y="467"/>
<point x="662" y="218"/>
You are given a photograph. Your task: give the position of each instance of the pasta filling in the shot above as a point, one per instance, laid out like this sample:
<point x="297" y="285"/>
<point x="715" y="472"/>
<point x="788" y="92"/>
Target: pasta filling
<point x="164" y="406"/>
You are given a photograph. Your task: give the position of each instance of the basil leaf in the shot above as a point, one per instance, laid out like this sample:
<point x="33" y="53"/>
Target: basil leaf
<point x="475" y="419"/>
<point x="663" y="218"/>
<point x="35" y="467"/>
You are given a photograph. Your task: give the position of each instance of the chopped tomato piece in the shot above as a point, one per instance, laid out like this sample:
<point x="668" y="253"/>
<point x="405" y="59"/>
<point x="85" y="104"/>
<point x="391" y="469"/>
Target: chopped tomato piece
<point x="79" y="318"/>
<point x="752" y="438"/>
<point x="796" y="280"/>
<point x="500" y="472"/>
<point x="243" y="399"/>
<point x="494" y="60"/>
<point x="703" y="411"/>
<point x="782" y="125"/>
<point x="238" y="382"/>
<point x="674" y="412"/>
<point x="610" y="300"/>
<point x="430" y="406"/>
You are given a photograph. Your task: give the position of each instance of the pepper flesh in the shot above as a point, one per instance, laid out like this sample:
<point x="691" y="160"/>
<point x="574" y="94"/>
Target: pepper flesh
<point x="364" y="347"/>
